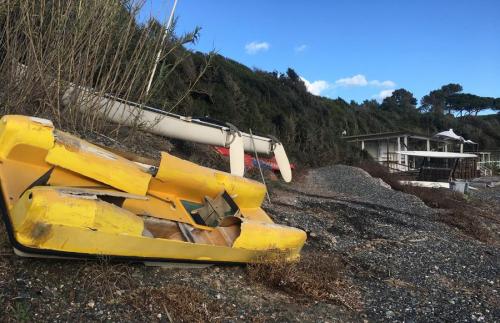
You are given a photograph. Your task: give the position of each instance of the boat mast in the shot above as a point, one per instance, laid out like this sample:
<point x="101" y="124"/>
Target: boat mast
<point x="167" y="29"/>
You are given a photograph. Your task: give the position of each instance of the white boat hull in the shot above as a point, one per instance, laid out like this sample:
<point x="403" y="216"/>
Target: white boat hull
<point x="178" y="127"/>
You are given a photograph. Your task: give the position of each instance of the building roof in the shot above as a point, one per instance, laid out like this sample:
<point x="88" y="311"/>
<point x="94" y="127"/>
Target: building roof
<point x="436" y="154"/>
<point x="389" y="135"/>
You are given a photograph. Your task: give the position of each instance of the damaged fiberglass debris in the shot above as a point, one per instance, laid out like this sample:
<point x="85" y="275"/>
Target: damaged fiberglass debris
<point x="62" y="196"/>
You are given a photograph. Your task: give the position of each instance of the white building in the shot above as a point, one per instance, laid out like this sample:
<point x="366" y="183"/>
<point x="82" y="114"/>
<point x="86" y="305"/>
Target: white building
<point x="383" y="147"/>
<point x="444" y="155"/>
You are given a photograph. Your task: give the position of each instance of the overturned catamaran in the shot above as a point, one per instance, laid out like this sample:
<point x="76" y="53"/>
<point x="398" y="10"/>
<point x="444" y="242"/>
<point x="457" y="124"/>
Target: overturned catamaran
<point x="62" y="196"/>
<point x="171" y="125"/>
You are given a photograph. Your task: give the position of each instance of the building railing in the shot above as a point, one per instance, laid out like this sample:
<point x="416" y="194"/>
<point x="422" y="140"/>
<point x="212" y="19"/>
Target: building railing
<point x="487" y="167"/>
<point x="395" y="163"/>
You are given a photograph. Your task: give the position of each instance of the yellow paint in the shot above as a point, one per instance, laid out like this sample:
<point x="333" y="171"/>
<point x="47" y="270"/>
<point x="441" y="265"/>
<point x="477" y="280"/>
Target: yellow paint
<point x="18" y="130"/>
<point x="46" y="205"/>
<point x="264" y="236"/>
<point x="256" y="214"/>
<point x="163" y="209"/>
<point x="192" y="182"/>
<point x="17" y="175"/>
<point x="47" y="219"/>
<point x="53" y="219"/>
<point x="92" y="161"/>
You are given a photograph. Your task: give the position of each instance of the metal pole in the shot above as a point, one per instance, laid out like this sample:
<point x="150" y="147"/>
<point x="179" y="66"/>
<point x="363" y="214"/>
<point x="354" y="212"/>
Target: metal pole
<point x="169" y="23"/>
<point x="258" y="164"/>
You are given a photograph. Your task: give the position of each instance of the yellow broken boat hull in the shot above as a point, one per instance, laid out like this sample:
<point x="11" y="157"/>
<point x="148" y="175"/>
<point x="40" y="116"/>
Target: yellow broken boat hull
<point x="62" y="196"/>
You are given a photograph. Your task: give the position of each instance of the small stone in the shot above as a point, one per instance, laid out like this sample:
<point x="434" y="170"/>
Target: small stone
<point x="313" y="235"/>
<point x="159" y="316"/>
<point x="218" y="296"/>
<point x="91" y="304"/>
<point x="477" y="317"/>
<point x="389" y="314"/>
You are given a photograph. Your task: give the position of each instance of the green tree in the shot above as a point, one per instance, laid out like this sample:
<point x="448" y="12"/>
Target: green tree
<point x="400" y="100"/>
<point x="472" y="104"/>
<point x="436" y="100"/>
<point x="292" y="75"/>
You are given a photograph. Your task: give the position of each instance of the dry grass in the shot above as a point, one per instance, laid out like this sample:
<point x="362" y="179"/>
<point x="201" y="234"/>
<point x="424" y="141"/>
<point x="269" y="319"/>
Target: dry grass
<point x="48" y="46"/>
<point x="175" y="302"/>
<point x="121" y="285"/>
<point x="378" y="171"/>
<point x="319" y="277"/>
<point x="401" y="284"/>
<point x="102" y="280"/>
<point x="91" y="287"/>
<point x="459" y="212"/>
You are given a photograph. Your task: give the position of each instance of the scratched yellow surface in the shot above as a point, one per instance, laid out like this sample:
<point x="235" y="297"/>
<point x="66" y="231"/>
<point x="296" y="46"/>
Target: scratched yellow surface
<point x="50" y="218"/>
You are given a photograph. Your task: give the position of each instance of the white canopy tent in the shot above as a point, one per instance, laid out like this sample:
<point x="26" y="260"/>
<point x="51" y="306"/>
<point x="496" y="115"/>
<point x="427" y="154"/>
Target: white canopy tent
<point x="452" y="136"/>
<point x="449" y="135"/>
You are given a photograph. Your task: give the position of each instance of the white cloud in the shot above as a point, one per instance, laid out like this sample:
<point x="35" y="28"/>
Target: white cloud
<point x="383" y="94"/>
<point x="255" y="47"/>
<point x="383" y="83"/>
<point x="356" y="80"/>
<point x="361" y="80"/>
<point x="300" y="48"/>
<point x="316" y="87"/>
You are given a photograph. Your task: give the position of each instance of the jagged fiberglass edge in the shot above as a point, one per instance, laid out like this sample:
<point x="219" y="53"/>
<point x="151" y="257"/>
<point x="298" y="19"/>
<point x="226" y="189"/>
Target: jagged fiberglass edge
<point x="298" y="239"/>
<point x="37" y="252"/>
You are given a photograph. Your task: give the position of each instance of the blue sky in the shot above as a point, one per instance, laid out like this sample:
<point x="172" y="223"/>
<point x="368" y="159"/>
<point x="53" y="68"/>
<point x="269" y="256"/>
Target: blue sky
<point x="354" y="49"/>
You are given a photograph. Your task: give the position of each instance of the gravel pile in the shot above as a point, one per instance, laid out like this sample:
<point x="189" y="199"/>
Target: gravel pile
<point x="358" y="184"/>
<point x="488" y="190"/>
<point x="408" y="265"/>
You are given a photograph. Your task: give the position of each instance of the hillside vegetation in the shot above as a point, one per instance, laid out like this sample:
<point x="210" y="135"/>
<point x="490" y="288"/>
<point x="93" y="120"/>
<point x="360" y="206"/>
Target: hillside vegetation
<point x="116" y="56"/>
<point x="311" y="126"/>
